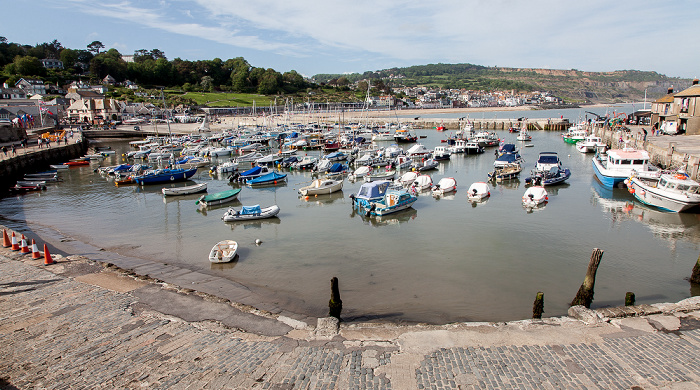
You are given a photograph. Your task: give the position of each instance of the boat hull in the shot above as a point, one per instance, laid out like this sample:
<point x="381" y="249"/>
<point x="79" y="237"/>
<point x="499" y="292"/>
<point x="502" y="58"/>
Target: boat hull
<point x="653" y="197"/>
<point x="165" y="177"/>
<point x="268" y="212"/>
<point x="193" y="189"/>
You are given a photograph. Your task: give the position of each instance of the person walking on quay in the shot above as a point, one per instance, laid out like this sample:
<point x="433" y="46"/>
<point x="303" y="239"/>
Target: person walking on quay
<point x="4" y="150"/>
<point x="38" y="141"/>
<point x="14" y="150"/>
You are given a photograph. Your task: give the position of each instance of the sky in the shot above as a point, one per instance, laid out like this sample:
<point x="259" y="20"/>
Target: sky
<point x="354" y="36"/>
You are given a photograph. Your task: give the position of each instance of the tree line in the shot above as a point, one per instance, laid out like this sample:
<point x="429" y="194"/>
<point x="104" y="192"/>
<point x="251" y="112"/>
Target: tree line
<point x="149" y="68"/>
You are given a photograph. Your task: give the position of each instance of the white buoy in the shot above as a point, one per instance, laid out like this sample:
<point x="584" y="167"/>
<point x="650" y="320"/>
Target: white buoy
<point x="258" y="241"/>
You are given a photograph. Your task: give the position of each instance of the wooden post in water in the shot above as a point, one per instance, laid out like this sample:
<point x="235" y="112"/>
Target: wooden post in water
<point x="695" y="277"/>
<point x="335" y="305"/>
<point x="629" y="299"/>
<point x="538" y="306"/>
<point x="584" y="296"/>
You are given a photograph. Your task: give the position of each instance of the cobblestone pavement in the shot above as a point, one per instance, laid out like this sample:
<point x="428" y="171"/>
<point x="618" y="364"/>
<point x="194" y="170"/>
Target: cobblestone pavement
<point x="80" y="325"/>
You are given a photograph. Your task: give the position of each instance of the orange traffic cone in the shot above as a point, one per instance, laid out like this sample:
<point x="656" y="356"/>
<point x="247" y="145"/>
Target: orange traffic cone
<point x="15" y="244"/>
<point x="35" y="251"/>
<point x="23" y="245"/>
<point x="5" y="239"/>
<point x="47" y="256"/>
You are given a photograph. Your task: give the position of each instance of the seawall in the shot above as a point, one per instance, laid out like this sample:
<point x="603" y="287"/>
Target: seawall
<point x="33" y="159"/>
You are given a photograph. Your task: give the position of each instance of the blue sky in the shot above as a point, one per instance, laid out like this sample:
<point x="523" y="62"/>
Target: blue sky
<point x="314" y="37"/>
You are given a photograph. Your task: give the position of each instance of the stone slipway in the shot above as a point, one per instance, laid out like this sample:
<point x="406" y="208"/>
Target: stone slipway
<point x="81" y="324"/>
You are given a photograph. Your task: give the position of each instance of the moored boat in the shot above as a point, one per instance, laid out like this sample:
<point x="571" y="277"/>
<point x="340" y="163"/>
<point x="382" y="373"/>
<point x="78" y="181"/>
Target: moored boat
<point x="444" y="185"/>
<point x="478" y="191"/>
<point x="165" y="175"/>
<point x="321" y="186"/>
<point x="393" y="201"/>
<point x="535" y="196"/>
<point x="674" y="192"/>
<point x="505" y="172"/>
<point x="223" y="252"/>
<point x="247" y="213"/>
<point x="218" y="198"/>
<point x="186" y="190"/>
<point x="272" y="178"/>
<point x="591" y="144"/>
<point x="616" y="165"/>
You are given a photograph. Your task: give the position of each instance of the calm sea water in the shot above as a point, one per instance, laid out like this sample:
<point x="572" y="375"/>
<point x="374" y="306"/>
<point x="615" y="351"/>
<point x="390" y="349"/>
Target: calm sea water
<point x="444" y="260"/>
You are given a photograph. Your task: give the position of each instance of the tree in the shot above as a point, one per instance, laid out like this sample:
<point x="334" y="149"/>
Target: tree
<point x="270" y="82"/>
<point x="69" y="57"/>
<point x="95" y="46"/>
<point x="207" y="83"/>
<point x="26" y="66"/>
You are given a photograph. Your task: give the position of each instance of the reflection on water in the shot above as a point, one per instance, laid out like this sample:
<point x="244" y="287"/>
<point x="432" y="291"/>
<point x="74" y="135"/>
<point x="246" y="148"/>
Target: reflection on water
<point x="225" y="266"/>
<point x="443" y="260"/>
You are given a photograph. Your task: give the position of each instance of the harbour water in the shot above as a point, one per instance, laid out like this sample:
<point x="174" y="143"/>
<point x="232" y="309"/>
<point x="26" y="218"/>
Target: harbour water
<point x="442" y="261"/>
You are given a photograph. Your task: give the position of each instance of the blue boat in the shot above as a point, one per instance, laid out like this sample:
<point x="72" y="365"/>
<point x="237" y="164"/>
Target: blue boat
<point x="252" y="173"/>
<point x="370" y="192"/>
<point x="273" y="178"/>
<point x="165" y="176"/>
<point x="548" y="170"/>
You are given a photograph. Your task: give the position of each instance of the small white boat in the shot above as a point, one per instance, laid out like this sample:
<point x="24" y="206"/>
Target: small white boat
<point x="193" y="189"/>
<point x="426" y="164"/>
<point x="418" y="150"/>
<point x="321" y="186"/>
<point x="478" y="191"/>
<point x="360" y="172"/>
<point x="445" y="185"/>
<point x="380" y="175"/>
<point x="403" y="162"/>
<point x="422" y="183"/>
<point x="223" y="252"/>
<point x="59" y="166"/>
<point x="407" y="178"/>
<point x="227" y="167"/>
<point x="591" y="144"/>
<point x="247" y="213"/>
<point x="535" y="196"/>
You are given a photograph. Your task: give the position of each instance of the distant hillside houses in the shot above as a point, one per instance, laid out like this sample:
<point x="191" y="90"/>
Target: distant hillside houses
<point x="457" y="98"/>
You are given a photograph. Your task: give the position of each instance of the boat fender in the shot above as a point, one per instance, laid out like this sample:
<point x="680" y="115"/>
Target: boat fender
<point x="172" y="178"/>
<point x="680" y="176"/>
<point x="631" y="190"/>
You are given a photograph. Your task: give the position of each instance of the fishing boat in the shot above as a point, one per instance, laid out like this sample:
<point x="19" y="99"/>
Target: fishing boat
<point x="165" y="175"/>
<point x="393" y="201"/>
<point x="247" y="213"/>
<point x="505" y="172"/>
<point x="616" y="165"/>
<point x="272" y="178"/>
<point x="574" y="135"/>
<point x="478" y="191"/>
<point x="218" y="198"/>
<point x="441" y="153"/>
<point x="321" y="186"/>
<point x="473" y="148"/>
<point x="591" y="144"/>
<point x="186" y="190"/>
<point x="674" y="192"/>
<point x="445" y="185"/>
<point x="485" y="139"/>
<point x="404" y="136"/>
<point x="223" y="252"/>
<point x="535" y="196"/>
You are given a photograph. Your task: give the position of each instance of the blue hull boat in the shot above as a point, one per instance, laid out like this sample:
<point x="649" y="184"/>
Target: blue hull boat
<point x="271" y="178"/>
<point x="165" y="176"/>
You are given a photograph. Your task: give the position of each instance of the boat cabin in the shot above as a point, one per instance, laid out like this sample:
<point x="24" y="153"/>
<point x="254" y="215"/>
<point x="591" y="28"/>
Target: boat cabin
<point x="627" y="159"/>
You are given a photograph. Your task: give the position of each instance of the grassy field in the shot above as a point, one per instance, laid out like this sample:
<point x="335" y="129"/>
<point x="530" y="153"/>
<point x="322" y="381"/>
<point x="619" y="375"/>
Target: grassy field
<point x="222" y="99"/>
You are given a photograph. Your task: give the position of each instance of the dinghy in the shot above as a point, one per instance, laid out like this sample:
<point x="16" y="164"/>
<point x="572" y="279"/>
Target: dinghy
<point x="218" y="198"/>
<point x="247" y="213"/>
<point x="186" y="190"/>
<point x="321" y="186"/>
<point x="223" y="252"/>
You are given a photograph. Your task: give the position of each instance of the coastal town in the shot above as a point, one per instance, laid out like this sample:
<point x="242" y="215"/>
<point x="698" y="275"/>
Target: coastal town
<point x="211" y="224"/>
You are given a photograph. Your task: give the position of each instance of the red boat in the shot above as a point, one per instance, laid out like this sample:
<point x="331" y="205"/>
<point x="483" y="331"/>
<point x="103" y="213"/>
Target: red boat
<point x="74" y="163"/>
<point x="18" y="189"/>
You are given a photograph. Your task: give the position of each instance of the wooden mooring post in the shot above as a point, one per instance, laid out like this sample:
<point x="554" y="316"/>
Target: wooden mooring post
<point x="695" y="277"/>
<point x="538" y="306"/>
<point x="629" y="299"/>
<point x="335" y="305"/>
<point x="584" y="296"/>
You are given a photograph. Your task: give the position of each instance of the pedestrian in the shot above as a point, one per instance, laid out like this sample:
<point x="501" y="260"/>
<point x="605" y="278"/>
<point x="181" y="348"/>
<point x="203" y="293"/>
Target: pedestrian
<point x="39" y="142"/>
<point x="14" y="150"/>
<point x="645" y="133"/>
<point x="4" y="150"/>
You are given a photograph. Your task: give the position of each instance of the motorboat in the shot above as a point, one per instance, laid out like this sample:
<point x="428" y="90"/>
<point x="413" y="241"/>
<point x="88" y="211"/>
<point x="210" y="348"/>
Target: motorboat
<point x="404" y="136"/>
<point x="507" y="159"/>
<point x="507" y="149"/>
<point x="505" y="172"/>
<point x="485" y="139"/>
<point x="674" y="192"/>
<point x="407" y="179"/>
<point x="307" y="162"/>
<point x="59" y="166"/>
<point x="336" y="156"/>
<point x="186" y="190"/>
<point x="591" y="144"/>
<point x="289" y="161"/>
<point x="535" y="196"/>
<point x="473" y="148"/>
<point x="370" y="192"/>
<point x="225" y="167"/>
<point x="393" y="201"/>
<point x="403" y="162"/>
<point x="380" y="175"/>
<point x="270" y="159"/>
<point x="247" y="213"/>
<point x="524" y="136"/>
<point x="426" y="165"/>
<point x="548" y="170"/>
<point x="321" y="186"/>
<point x="444" y="185"/>
<point x="478" y="191"/>
<point x="360" y="172"/>
<point x="574" y="135"/>
<point x="422" y="183"/>
<point x="218" y="198"/>
<point x="616" y="165"/>
<point x="165" y="175"/>
<point x="418" y="150"/>
<point x="223" y="252"/>
<point x="252" y="173"/>
<point x="272" y="178"/>
<point x="440" y="153"/>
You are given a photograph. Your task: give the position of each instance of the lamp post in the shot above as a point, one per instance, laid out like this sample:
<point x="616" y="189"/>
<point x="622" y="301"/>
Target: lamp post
<point x="645" y="98"/>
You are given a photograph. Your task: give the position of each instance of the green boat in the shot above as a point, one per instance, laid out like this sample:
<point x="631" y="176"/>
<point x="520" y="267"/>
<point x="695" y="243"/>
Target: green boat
<point x="218" y="198"/>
